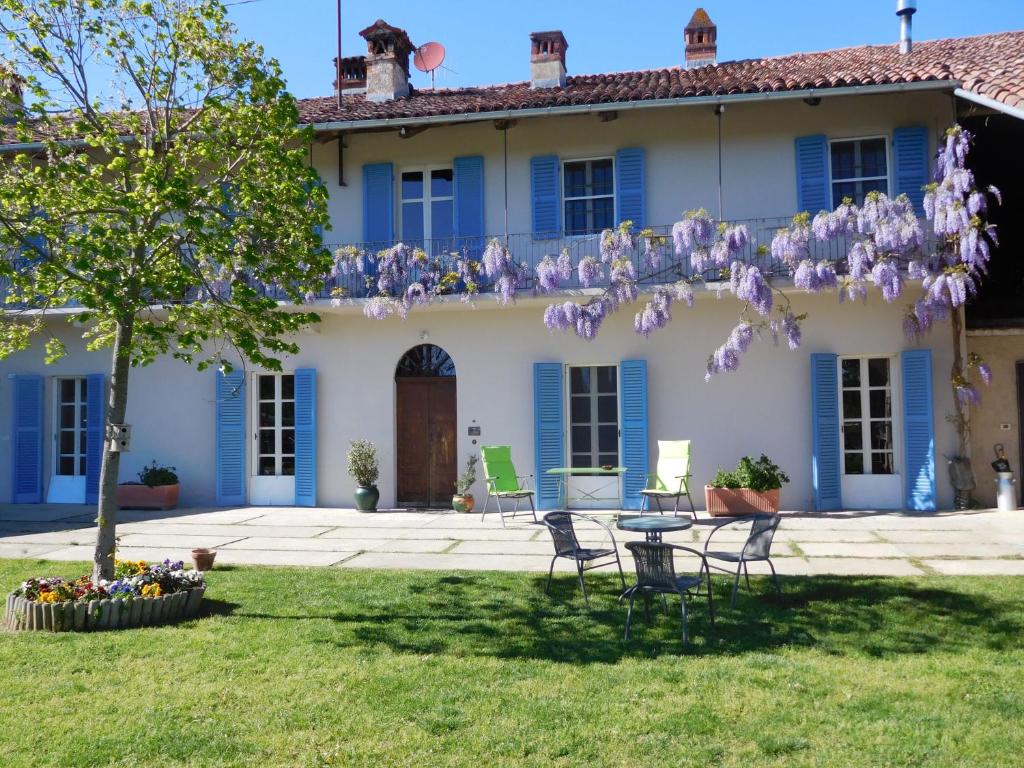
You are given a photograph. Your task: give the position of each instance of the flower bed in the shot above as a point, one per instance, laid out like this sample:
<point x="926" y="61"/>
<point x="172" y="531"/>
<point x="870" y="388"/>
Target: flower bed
<point x="140" y="595"/>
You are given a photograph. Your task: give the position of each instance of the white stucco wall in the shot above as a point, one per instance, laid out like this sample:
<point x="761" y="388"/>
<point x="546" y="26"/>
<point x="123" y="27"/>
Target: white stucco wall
<point x="758" y="164"/>
<point x="764" y="407"/>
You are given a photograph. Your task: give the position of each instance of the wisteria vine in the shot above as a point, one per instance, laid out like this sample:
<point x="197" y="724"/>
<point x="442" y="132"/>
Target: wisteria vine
<point x="885" y="244"/>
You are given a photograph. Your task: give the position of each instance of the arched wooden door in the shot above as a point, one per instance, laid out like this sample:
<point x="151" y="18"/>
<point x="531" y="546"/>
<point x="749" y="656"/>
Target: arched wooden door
<point x="425" y="415"/>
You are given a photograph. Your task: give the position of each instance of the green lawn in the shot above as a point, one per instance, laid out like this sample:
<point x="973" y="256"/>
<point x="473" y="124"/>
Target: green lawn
<point x="318" y="667"/>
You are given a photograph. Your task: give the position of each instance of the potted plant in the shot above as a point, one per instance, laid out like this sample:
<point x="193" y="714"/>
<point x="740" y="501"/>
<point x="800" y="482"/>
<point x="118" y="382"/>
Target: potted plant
<point x="463" y="500"/>
<point x="362" y="465"/>
<point x="157" y="489"/>
<point x="752" y="488"/>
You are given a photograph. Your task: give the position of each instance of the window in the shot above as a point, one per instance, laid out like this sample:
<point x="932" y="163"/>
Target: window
<point x="71" y="396"/>
<point x="589" y="195"/>
<point x="428" y="207"/>
<point x="867" y="407"/>
<point x="275" y="424"/>
<point x="858" y="166"/>
<point x="594" y="415"/>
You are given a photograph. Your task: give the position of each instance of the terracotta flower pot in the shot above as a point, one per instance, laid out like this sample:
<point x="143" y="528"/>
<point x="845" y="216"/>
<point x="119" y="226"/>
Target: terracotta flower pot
<point x="203" y="559"/>
<point x="139" y="496"/>
<point x="737" y="502"/>
<point x="463" y="503"/>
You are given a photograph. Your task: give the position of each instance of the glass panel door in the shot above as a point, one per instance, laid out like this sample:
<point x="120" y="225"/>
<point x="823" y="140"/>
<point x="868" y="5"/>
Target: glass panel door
<point x="593" y="416"/>
<point x="275" y="422"/>
<point x="70" y="426"/>
<point x="868" y="447"/>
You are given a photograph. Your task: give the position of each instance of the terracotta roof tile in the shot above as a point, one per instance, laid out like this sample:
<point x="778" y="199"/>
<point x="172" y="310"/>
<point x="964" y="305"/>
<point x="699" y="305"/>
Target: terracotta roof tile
<point x="990" y="65"/>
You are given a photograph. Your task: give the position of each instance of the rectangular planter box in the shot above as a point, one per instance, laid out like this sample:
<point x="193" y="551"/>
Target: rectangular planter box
<point x="136" y="496"/>
<point x="737" y="502"/>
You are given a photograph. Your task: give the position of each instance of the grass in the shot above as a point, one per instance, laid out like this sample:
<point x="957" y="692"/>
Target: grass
<point x="298" y="667"/>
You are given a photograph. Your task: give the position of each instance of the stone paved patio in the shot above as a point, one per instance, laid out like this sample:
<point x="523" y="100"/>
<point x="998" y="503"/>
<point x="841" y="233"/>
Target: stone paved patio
<point x="897" y="544"/>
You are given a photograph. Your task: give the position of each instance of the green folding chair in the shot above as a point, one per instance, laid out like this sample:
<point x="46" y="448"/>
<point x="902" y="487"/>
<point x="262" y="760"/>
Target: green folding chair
<point x="672" y="480"/>
<point x="503" y="482"/>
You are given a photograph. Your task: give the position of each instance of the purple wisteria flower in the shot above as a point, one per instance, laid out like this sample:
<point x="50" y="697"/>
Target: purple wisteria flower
<point x="547" y="275"/>
<point x="985" y="372"/>
<point x="886" y="277"/>
<point x="967" y="395"/>
<point x="749" y="285"/>
<point x="589" y="271"/>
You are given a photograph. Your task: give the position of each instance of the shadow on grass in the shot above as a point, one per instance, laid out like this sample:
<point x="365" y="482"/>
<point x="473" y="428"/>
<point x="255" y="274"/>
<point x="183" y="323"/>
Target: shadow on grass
<point x="481" y="615"/>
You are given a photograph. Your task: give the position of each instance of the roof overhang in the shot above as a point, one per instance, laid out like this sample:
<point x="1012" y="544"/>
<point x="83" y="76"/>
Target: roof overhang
<point x="985" y="101"/>
<point x="620" y="106"/>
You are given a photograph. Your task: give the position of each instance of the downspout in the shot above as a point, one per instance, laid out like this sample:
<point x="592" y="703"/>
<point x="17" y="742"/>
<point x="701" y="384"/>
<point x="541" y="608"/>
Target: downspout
<point x="718" y="113"/>
<point x="504" y="136"/>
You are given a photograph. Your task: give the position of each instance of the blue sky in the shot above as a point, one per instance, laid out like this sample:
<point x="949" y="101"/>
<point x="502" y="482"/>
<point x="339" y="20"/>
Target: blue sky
<point x="487" y="41"/>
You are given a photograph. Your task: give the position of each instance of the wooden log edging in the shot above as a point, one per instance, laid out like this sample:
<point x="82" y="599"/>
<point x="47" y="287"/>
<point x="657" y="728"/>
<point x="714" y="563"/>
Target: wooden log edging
<point x="23" y="615"/>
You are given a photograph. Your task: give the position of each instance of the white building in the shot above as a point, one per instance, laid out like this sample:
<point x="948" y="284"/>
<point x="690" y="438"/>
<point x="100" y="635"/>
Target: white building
<point x="855" y="416"/>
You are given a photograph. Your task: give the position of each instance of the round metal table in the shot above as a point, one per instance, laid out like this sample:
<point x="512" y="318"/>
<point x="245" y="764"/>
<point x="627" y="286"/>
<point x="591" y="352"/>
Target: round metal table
<point x="653" y="526"/>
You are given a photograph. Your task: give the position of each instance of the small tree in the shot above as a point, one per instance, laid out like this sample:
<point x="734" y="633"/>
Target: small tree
<point x="168" y="210"/>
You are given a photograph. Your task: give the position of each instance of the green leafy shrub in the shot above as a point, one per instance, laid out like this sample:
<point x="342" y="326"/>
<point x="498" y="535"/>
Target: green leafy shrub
<point x="760" y="475"/>
<point x="154" y="475"/>
<point x="465" y="481"/>
<point x="362" y="463"/>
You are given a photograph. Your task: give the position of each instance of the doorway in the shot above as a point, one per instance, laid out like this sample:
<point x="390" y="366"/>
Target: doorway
<point x="70" y="409"/>
<point x="425" y="419"/>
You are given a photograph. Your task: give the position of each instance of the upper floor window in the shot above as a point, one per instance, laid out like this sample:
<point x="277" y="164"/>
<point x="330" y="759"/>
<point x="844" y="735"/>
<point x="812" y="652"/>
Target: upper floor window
<point x="858" y="166"/>
<point x="589" y="195"/>
<point x="428" y="205"/>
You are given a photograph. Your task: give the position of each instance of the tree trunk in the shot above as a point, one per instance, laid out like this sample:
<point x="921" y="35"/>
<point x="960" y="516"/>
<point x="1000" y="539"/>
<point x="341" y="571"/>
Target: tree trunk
<point x="106" y="519"/>
<point x="960" y="418"/>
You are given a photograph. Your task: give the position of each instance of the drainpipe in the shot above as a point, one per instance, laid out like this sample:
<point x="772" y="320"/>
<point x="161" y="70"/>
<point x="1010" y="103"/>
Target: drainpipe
<point x="719" y="110"/>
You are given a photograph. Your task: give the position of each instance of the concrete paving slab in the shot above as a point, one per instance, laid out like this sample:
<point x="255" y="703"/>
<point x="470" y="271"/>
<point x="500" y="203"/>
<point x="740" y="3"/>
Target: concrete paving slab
<point x="230" y="531"/>
<point x="483" y="534"/>
<point x="857" y="566"/>
<point x="814" y="549"/>
<point x="986" y="551"/>
<point x="71" y="536"/>
<point x="332" y="518"/>
<point x="148" y="554"/>
<point x="407" y="545"/>
<point x="952" y="538"/>
<point x="545" y="548"/>
<point x="41" y="512"/>
<point x="161" y="541"/>
<point x="301" y="545"/>
<point x="27" y="550"/>
<point x="278" y="557"/>
<point x="825" y="534"/>
<point x="977" y="567"/>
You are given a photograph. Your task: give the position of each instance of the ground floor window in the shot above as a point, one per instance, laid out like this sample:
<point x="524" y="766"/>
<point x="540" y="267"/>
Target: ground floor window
<point x="594" y="415"/>
<point x="275" y="424"/>
<point x="867" y="416"/>
<point x="71" y="396"/>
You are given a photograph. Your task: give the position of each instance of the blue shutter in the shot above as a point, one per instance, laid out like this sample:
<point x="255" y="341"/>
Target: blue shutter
<point x="469" y="202"/>
<point x="549" y="431"/>
<point x="305" y="437"/>
<point x="910" y="152"/>
<point x="918" y="429"/>
<point x="95" y="433"/>
<point x="545" y="202"/>
<point x="825" y="463"/>
<point x="230" y="417"/>
<point x="631" y="186"/>
<point x="378" y="205"/>
<point x="27" y="440"/>
<point x="633" y="419"/>
<point x="812" y="193"/>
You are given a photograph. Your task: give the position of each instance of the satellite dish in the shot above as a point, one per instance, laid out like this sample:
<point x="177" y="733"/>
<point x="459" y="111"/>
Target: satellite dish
<point x="429" y="57"/>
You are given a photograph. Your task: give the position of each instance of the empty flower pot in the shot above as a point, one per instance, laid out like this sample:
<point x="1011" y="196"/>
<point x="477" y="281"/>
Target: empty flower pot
<point x="203" y="559"/>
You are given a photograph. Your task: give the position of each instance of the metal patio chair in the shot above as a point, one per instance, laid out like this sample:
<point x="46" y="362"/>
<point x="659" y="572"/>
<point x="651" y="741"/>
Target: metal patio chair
<point x="756" y="549"/>
<point x="672" y="480"/>
<point x="563" y="533"/>
<point x="656" y="575"/>
<point x="503" y="482"/>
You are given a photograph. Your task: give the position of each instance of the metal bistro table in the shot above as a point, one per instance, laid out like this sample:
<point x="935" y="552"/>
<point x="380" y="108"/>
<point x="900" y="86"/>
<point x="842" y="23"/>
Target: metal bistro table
<point x="563" y="474"/>
<point x="653" y="527"/>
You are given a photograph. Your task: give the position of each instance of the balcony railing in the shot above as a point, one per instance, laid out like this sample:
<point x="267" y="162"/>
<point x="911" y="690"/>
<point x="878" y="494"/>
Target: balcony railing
<point x="444" y="253"/>
<point x="525" y="248"/>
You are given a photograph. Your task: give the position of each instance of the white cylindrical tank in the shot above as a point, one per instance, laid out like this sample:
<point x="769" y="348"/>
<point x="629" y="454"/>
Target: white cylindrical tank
<point x="1006" y="492"/>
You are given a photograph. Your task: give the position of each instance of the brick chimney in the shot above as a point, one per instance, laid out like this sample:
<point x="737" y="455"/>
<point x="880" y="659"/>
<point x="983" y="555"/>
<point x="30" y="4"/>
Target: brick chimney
<point x="547" y="59"/>
<point x="353" y="73"/>
<point x="387" y="61"/>
<point x="701" y="36"/>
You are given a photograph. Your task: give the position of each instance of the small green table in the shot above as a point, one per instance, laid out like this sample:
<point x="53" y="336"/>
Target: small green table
<point x="563" y="482"/>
